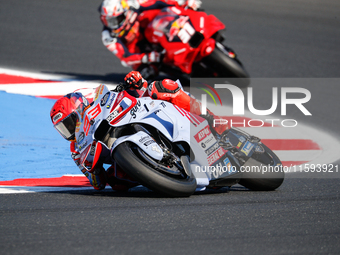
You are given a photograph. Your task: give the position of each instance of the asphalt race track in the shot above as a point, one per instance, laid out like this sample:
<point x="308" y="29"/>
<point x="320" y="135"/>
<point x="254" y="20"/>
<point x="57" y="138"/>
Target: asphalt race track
<point x="274" y="39"/>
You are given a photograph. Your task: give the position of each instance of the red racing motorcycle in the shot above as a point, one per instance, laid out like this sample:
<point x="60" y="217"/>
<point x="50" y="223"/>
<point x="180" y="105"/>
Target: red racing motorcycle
<point x="192" y="45"/>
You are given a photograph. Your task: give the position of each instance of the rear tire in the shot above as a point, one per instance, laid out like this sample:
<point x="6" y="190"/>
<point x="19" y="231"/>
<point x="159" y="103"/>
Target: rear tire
<point x="263" y="181"/>
<point x="129" y="160"/>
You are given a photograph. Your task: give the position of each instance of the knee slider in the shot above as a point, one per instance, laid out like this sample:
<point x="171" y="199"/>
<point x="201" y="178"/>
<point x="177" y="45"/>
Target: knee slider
<point x="166" y="86"/>
<point x="159" y="88"/>
<point x="170" y="85"/>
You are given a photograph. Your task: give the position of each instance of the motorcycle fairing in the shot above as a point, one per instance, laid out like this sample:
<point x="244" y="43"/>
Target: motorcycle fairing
<point x="213" y="160"/>
<point x="185" y="34"/>
<point x="170" y="121"/>
<point x="175" y="126"/>
<point x="92" y="117"/>
<point x="143" y="141"/>
<point x="152" y="112"/>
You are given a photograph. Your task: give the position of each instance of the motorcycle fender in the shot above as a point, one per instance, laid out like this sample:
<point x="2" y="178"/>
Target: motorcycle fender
<point x="143" y="141"/>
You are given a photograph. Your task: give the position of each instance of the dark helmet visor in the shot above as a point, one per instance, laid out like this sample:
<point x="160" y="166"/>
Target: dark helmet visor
<point x="67" y="126"/>
<point x="115" y="22"/>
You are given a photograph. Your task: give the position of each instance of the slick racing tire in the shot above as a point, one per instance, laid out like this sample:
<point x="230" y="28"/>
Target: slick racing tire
<point x="129" y="159"/>
<point x="263" y="180"/>
<point x="225" y="66"/>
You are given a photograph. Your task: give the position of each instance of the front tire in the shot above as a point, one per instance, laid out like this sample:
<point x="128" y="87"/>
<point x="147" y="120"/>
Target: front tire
<point x="126" y="155"/>
<point x="225" y="66"/>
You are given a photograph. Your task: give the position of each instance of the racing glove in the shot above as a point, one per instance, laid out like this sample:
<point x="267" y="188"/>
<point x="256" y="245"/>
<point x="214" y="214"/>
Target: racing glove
<point x="152" y="57"/>
<point x="135" y="80"/>
<point x="193" y="4"/>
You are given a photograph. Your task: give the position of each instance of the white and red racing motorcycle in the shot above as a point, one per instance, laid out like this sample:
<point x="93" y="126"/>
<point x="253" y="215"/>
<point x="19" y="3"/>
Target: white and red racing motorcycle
<point x="168" y="149"/>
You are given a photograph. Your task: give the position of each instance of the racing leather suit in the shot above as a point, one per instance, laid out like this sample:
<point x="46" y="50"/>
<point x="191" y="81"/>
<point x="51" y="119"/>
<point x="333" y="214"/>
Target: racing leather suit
<point x="131" y="47"/>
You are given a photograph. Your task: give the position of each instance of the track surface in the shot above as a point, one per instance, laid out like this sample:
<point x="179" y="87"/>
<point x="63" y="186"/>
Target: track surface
<point x="273" y="39"/>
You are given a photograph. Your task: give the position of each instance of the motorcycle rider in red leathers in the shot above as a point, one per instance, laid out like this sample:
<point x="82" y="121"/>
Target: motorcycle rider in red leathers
<point x="124" y="23"/>
<point x="65" y="118"/>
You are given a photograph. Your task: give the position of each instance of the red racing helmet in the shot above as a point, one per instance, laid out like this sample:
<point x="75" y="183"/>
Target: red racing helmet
<point x="66" y="112"/>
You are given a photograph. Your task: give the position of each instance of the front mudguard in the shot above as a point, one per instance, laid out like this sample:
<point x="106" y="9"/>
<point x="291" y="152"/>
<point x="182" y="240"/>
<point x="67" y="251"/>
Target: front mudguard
<point x="144" y="141"/>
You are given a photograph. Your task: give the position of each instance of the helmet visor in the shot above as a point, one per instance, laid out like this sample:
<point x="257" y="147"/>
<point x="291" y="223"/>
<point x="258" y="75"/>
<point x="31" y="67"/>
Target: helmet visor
<point x="115" y="22"/>
<point x="67" y="126"/>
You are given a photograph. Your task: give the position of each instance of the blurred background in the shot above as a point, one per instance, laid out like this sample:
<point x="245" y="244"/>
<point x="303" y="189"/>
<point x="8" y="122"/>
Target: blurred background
<point x="272" y="38"/>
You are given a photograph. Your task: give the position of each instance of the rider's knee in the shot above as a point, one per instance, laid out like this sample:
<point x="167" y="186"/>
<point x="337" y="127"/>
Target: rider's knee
<point x="163" y="89"/>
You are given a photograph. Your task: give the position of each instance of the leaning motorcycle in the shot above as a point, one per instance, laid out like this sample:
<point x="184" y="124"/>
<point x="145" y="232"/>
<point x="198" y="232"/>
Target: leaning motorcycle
<point x="166" y="148"/>
<point x="192" y="45"/>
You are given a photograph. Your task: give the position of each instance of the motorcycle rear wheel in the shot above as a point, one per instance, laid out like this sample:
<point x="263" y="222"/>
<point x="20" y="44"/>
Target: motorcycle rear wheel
<point x="128" y="158"/>
<point x="263" y="181"/>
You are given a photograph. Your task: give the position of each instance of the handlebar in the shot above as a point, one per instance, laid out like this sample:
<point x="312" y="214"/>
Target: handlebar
<point x="121" y="87"/>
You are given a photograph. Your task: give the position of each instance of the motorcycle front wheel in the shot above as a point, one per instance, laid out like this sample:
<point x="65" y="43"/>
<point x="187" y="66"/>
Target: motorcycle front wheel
<point x="223" y="66"/>
<point x="129" y="157"/>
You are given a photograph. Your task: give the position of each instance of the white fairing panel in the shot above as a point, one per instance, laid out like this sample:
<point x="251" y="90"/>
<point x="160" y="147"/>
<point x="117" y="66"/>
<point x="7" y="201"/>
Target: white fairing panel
<point x="173" y="122"/>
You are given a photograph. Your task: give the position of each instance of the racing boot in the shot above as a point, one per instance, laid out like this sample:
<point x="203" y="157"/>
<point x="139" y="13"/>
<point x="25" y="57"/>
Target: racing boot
<point x="216" y="123"/>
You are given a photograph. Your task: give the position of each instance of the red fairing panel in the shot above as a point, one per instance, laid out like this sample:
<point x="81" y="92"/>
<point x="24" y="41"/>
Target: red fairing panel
<point x="173" y="28"/>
